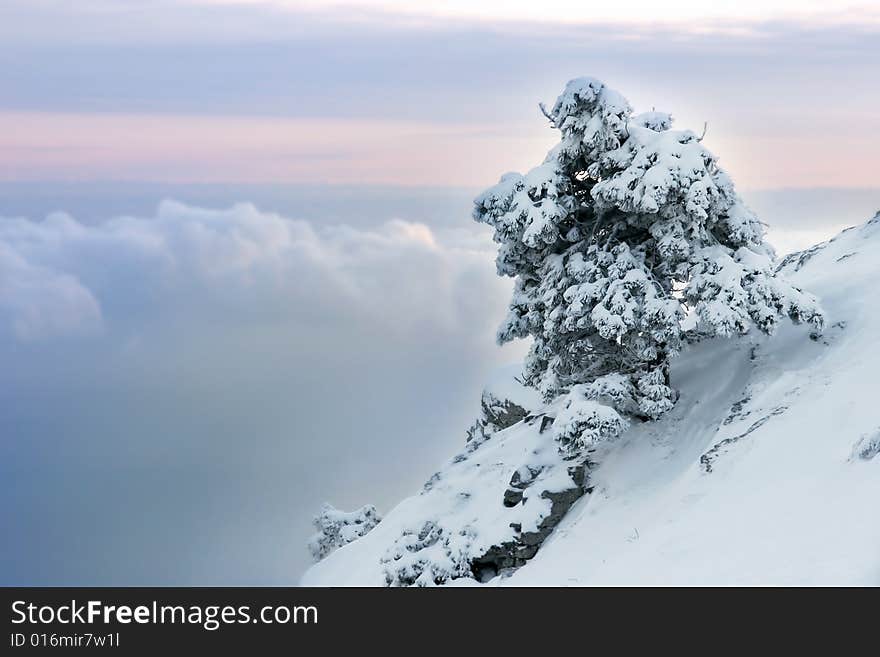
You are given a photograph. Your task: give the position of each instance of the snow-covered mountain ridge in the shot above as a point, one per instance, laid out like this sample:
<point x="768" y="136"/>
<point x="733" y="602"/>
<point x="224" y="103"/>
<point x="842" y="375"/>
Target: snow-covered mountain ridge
<point x="767" y="470"/>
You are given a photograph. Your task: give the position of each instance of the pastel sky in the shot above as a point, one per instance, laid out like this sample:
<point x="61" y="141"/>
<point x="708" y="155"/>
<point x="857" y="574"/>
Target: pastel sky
<point x="427" y="93"/>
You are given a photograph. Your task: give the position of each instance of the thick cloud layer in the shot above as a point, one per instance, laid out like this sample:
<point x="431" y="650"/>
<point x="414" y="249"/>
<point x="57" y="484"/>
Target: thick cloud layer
<point x="181" y="391"/>
<point x="63" y="277"/>
<point x="39" y="302"/>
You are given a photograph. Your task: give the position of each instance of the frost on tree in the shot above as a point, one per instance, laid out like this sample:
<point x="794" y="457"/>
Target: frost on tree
<point x="625" y="228"/>
<point x="337" y="528"/>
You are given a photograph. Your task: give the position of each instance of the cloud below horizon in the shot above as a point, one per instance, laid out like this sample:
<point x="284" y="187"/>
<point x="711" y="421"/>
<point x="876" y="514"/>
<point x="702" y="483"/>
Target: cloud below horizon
<point x="397" y="276"/>
<point x="181" y="392"/>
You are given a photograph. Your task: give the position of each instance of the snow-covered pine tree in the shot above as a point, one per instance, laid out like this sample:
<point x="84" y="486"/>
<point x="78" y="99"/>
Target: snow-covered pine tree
<point x="625" y="228"/>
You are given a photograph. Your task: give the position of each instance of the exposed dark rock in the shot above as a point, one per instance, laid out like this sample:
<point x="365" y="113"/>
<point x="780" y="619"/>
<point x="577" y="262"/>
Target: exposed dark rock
<point x="502" y="413"/>
<point x="497" y="414"/>
<point x="430" y="483"/>
<point x="868" y="446"/>
<point x="707" y="459"/>
<point x="501" y="559"/>
<point x="518" y="483"/>
<point x="736" y="410"/>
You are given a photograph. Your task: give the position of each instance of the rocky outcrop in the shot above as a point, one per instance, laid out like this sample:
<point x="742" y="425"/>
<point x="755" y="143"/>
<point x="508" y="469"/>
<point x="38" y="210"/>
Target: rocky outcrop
<point x="496" y="415"/>
<point x="504" y="558"/>
<point x="480" y="517"/>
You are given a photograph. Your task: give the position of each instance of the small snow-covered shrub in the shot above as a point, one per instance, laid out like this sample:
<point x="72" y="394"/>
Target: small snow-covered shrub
<point x="429" y="556"/>
<point x="582" y="422"/>
<point x="337" y="528"/>
<point x="616" y="390"/>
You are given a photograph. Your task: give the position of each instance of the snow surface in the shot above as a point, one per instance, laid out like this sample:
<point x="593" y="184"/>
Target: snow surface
<point x="766" y="471"/>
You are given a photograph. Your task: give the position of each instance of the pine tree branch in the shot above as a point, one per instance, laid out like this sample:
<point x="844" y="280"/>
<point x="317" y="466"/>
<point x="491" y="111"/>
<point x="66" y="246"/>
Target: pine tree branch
<point x="544" y="111"/>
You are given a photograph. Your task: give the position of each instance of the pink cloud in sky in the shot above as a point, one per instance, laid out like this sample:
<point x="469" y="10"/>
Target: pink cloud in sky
<point x="182" y="148"/>
<point x="176" y="148"/>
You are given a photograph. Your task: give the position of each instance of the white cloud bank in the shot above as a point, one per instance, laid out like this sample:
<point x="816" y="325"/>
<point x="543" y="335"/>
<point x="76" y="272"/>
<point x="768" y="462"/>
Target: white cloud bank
<point x="39" y="302"/>
<point x="64" y="277"/>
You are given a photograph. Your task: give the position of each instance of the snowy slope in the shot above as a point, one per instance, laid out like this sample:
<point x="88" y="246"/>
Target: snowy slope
<point x="766" y="472"/>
